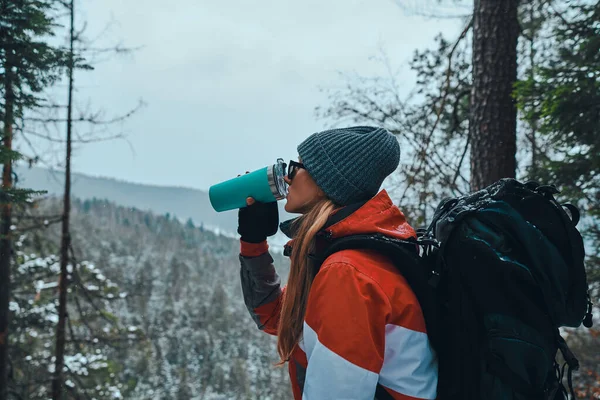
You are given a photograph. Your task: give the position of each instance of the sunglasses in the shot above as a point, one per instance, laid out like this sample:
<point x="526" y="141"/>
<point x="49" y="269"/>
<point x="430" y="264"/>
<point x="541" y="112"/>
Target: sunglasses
<point x="293" y="169"/>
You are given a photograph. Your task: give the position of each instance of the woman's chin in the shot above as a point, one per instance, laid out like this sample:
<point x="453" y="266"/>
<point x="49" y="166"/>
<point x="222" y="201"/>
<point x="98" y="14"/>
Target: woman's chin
<point x="290" y="208"/>
<point x="287" y="207"/>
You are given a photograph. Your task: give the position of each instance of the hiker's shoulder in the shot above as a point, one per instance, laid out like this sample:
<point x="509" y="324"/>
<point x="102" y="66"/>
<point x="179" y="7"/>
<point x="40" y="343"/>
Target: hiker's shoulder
<point x="340" y="284"/>
<point x="368" y="263"/>
<point x="362" y="260"/>
<point x="373" y="283"/>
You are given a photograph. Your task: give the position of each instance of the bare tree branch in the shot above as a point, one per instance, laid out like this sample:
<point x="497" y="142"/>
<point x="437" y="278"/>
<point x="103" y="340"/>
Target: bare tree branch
<point x="79" y="141"/>
<point x="445" y="92"/>
<point x="118" y="49"/>
<point x="419" y="8"/>
<point x="462" y="158"/>
<point x="92" y="119"/>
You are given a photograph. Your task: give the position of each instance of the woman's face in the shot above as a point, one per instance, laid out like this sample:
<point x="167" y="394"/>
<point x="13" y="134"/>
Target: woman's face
<point x="303" y="192"/>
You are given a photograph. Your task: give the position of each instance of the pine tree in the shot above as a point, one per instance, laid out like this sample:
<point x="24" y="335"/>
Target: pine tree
<point x="28" y="64"/>
<point x="564" y="99"/>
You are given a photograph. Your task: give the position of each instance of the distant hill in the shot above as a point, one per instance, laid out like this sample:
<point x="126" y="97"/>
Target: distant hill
<point x="182" y="203"/>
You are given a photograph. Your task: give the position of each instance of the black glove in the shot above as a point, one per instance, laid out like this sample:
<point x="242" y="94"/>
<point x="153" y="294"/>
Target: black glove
<point x="258" y="221"/>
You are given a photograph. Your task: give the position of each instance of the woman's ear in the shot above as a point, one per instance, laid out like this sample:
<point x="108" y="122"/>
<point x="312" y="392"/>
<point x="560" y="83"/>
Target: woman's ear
<point x="321" y="194"/>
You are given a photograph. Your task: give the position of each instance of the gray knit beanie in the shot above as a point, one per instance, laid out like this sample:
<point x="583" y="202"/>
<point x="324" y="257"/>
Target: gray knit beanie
<point x="350" y="164"/>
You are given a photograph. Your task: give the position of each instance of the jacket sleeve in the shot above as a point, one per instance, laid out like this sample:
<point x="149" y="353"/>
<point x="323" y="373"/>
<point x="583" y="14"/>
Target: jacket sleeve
<point x="261" y="286"/>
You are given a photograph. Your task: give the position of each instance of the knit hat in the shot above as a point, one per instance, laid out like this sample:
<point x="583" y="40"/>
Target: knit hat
<point x="350" y="164"/>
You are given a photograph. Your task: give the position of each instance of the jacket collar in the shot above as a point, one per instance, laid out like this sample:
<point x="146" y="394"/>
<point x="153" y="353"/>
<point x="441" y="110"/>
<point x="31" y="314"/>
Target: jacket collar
<point x="377" y="215"/>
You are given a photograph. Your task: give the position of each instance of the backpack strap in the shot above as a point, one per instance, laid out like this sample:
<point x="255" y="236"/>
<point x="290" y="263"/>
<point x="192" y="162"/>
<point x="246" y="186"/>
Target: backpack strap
<point x="403" y="253"/>
<point x="343" y="213"/>
<point x="386" y="245"/>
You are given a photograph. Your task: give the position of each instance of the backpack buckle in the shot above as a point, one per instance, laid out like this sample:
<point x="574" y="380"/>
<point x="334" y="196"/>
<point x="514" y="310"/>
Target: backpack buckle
<point x="434" y="279"/>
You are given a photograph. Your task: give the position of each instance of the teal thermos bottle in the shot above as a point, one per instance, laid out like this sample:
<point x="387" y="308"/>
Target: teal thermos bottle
<point x="265" y="185"/>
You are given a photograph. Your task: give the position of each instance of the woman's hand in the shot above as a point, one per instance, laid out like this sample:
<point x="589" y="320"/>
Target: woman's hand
<point x="257" y="221"/>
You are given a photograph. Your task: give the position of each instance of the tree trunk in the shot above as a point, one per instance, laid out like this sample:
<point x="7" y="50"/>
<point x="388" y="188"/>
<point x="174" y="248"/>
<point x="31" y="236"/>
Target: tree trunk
<point x="57" y="382"/>
<point x="5" y="232"/>
<point x="493" y="116"/>
<point x="533" y="172"/>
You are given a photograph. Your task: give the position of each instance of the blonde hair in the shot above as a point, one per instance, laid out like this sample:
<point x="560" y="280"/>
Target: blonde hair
<point x="300" y="279"/>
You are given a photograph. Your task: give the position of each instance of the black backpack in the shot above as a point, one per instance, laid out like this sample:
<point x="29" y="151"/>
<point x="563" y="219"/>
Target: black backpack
<point x="496" y="274"/>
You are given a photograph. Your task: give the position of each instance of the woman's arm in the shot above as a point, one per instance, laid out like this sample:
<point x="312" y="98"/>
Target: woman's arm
<point x="261" y="286"/>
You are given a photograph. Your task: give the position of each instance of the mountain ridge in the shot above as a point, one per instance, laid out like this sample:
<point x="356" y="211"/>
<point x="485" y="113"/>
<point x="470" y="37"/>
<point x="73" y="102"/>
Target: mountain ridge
<point x="178" y="201"/>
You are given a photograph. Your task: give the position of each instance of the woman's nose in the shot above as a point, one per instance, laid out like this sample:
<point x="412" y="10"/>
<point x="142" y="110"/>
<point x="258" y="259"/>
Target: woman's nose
<point x="287" y="180"/>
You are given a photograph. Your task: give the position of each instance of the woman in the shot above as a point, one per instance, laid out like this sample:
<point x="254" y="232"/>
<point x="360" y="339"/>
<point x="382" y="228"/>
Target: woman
<point x="352" y="327"/>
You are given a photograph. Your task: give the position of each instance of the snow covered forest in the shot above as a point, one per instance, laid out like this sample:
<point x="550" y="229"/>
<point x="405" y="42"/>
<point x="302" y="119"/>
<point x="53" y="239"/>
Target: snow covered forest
<point x="156" y="311"/>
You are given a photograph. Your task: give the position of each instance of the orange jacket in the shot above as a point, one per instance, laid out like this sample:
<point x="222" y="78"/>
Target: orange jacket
<point x="363" y="324"/>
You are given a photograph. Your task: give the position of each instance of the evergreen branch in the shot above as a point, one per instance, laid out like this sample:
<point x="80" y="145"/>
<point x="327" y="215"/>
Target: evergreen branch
<point x="15" y="393"/>
<point x="8" y="155"/>
<point x="37" y="381"/>
<point x="82" y="315"/>
<point x="81" y="384"/>
<point x="31" y="146"/>
<point x="28" y="293"/>
<point x="73" y="392"/>
<point x="16" y="195"/>
<point x="103" y="340"/>
<point x="72" y="333"/>
<point x="46" y="223"/>
<point x="39" y="216"/>
<point x="91" y="301"/>
<point x="88" y="295"/>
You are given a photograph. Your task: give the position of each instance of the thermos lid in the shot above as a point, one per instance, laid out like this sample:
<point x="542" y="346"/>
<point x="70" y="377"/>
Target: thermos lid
<point x="275" y="174"/>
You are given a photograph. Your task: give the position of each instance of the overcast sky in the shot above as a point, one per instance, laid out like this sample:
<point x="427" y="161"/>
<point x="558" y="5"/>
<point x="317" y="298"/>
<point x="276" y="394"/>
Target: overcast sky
<point x="231" y="85"/>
